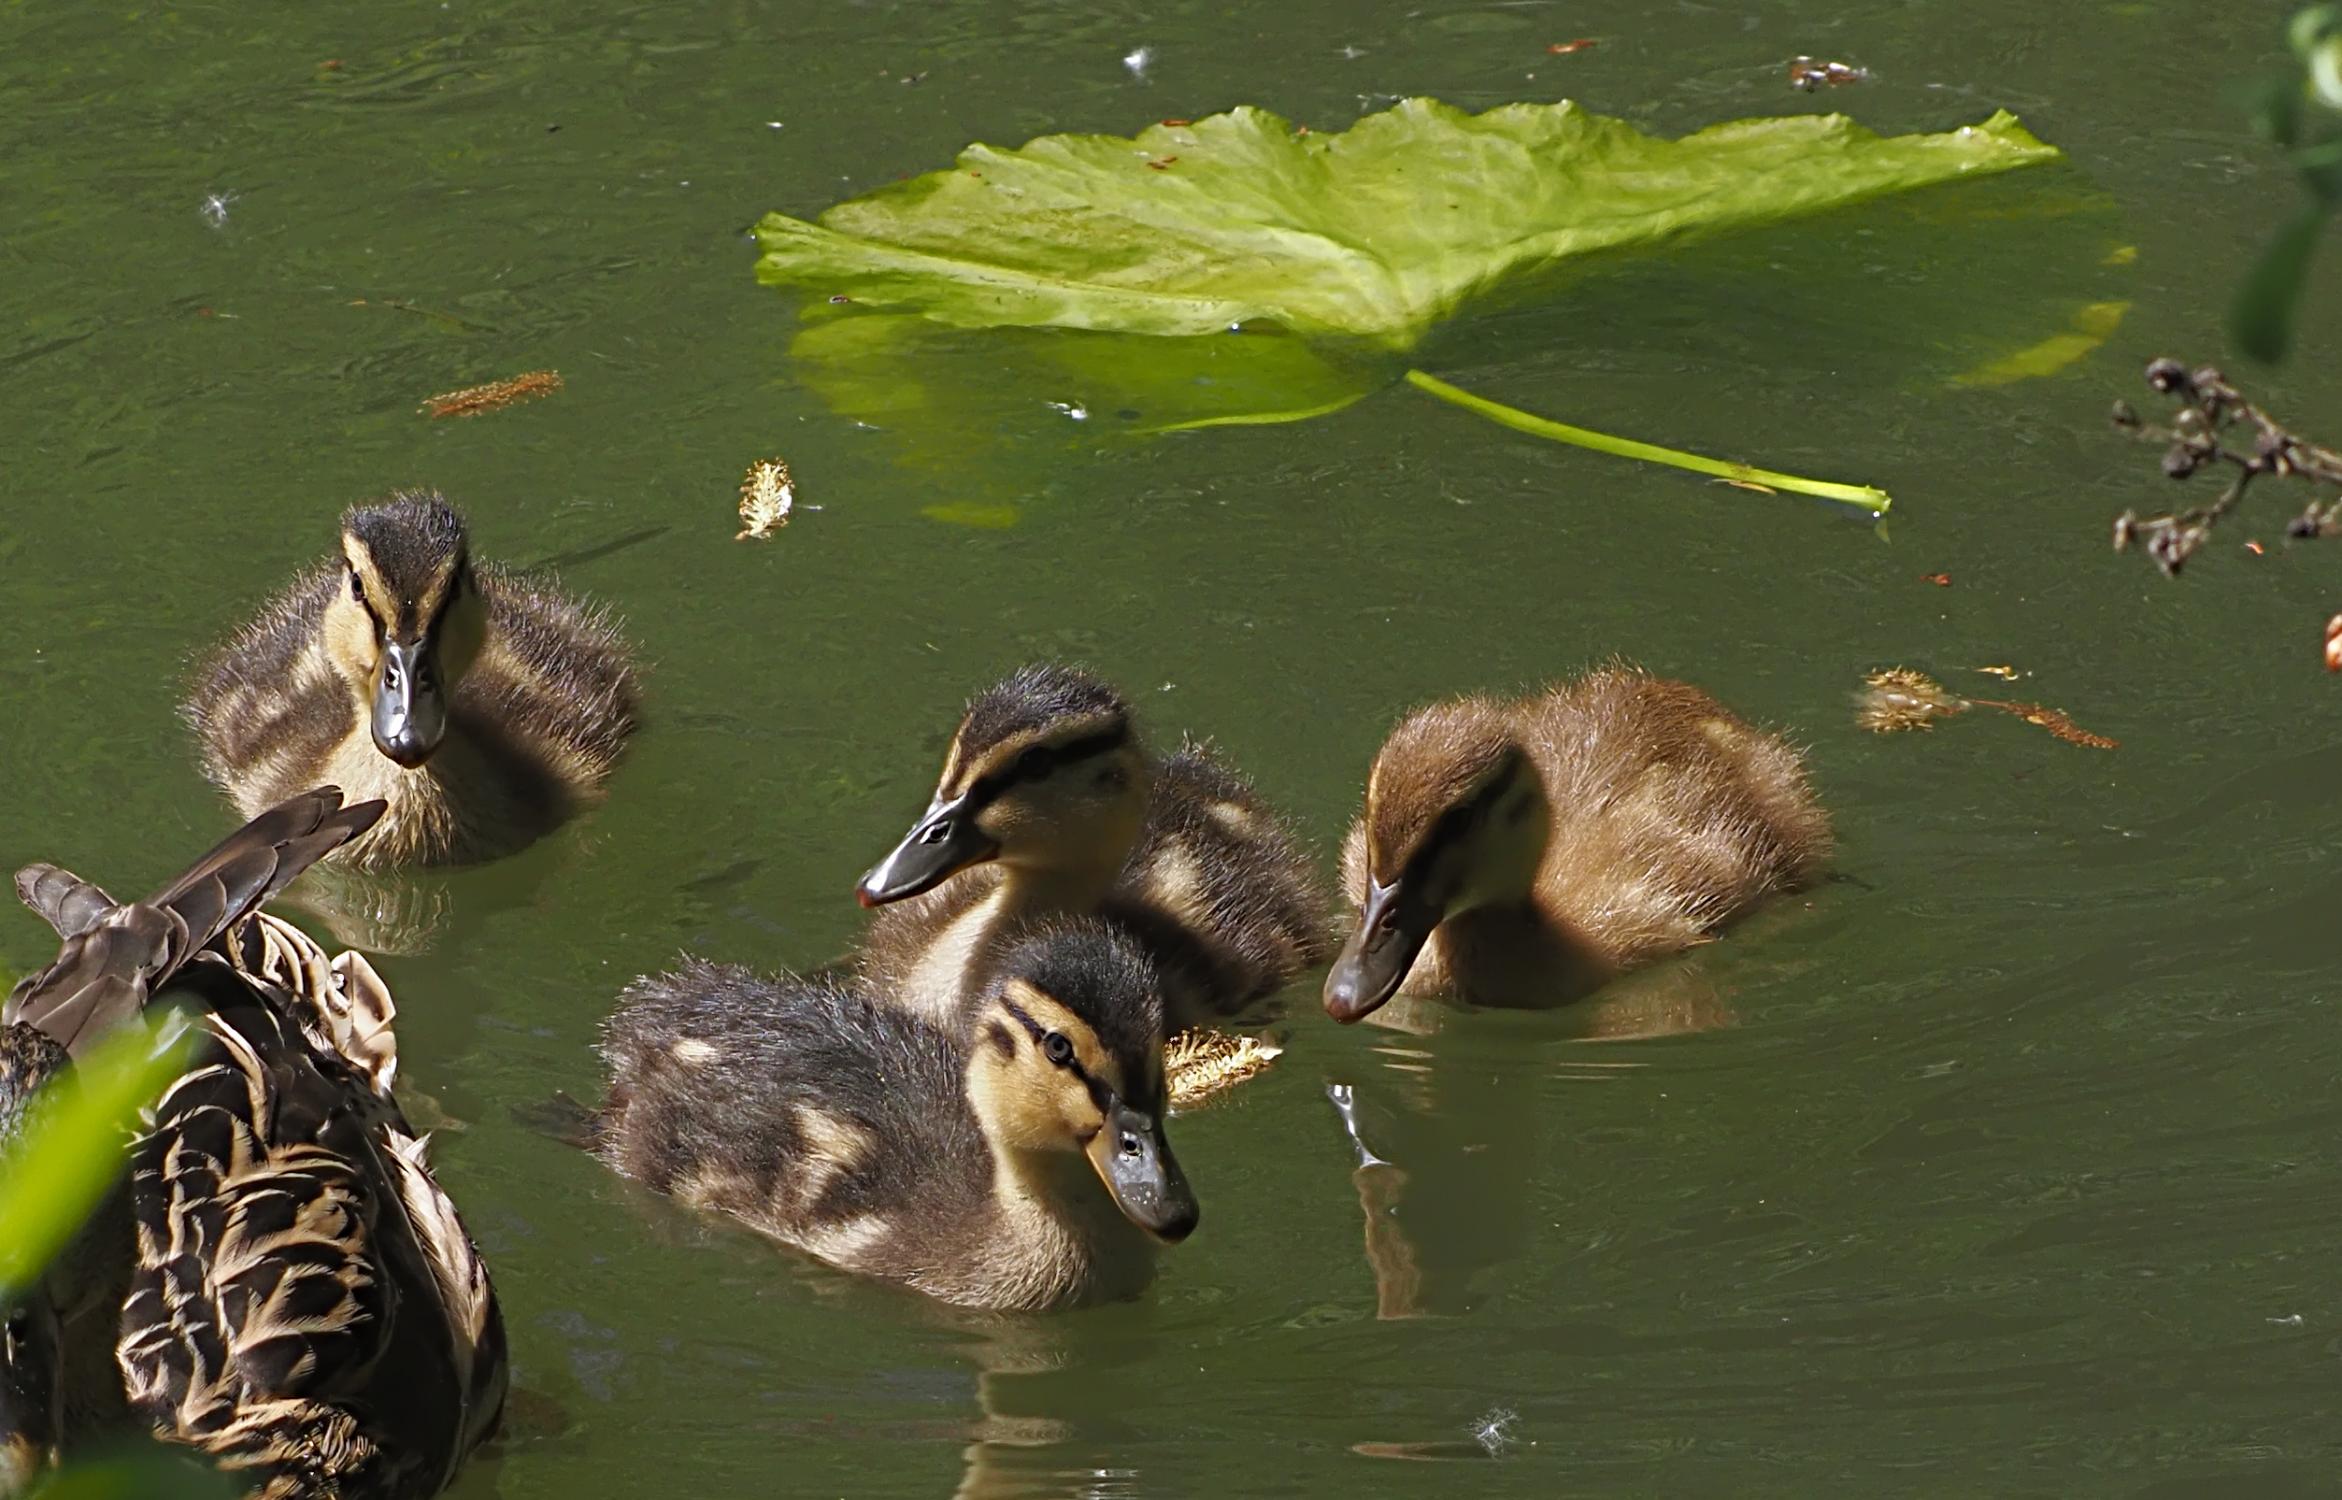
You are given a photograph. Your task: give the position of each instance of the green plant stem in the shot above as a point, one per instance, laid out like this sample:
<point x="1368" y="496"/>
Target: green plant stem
<point x="1872" y="500"/>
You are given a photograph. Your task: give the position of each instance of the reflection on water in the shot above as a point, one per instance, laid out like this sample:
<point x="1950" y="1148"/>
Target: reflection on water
<point x="1446" y="1137"/>
<point x="400" y="913"/>
<point x="1004" y="1456"/>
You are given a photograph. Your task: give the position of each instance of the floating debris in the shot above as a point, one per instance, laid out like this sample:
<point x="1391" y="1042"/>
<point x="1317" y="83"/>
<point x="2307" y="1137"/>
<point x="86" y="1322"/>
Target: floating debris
<point x="1940" y="580"/>
<point x="215" y="209"/>
<point x="1564" y="49"/>
<point x="2004" y="673"/>
<point x="1494" y="1432"/>
<point x="1898" y="699"/>
<point x="2334" y="644"/>
<point x="1200" y="1063"/>
<point x="473" y="400"/>
<point x="2041" y="716"/>
<point x="1809" y="74"/>
<point x="767" y="494"/>
<point x="1137" y="60"/>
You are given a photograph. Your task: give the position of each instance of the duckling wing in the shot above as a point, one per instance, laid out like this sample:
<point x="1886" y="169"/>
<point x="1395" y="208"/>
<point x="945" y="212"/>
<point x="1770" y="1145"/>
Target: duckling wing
<point x="115" y="956"/>
<point x="556" y="674"/>
<point x="1218" y="890"/>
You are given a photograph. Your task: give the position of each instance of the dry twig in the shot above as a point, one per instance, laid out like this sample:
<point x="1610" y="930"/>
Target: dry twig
<point x="1897" y="699"/>
<point x="2199" y="436"/>
<point x="473" y="400"/>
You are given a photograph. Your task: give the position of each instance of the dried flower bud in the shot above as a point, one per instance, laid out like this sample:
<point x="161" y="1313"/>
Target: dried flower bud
<point x="2124" y="415"/>
<point x="2172" y="546"/>
<point x="2179" y="461"/>
<point x="2168" y="376"/>
<point x="2126" y="531"/>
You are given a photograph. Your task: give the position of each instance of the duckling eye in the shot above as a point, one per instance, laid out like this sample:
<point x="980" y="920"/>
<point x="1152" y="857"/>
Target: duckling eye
<point x="1056" y="1048"/>
<point x="357" y="588"/>
<point x="20" y="1327"/>
<point x="1035" y="764"/>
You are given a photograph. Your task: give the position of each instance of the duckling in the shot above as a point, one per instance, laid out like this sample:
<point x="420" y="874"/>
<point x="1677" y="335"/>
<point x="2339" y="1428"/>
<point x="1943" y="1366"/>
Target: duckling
<point x="1050" y="804"/>
<point x="482" y="707"/>
<point x="1524" y="852"/>
<point x="279" y="1283"/>
<point x="1016" y="1162"/>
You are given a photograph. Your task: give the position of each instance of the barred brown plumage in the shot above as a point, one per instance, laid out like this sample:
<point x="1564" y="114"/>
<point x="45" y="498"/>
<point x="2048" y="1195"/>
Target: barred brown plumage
<point x="294" y="1295"/>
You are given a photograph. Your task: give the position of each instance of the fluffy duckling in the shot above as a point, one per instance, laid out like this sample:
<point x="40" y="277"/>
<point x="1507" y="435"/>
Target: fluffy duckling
<point x="1523" y="852"/>
<point x="1019" y="1162"/>
<point x="481" y="707"/>
<point x="279" y="1284"/>
<point x="1050" y="804"/>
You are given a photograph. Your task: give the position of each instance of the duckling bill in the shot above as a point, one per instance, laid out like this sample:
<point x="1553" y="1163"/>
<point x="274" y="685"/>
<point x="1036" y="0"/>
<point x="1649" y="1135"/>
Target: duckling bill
<point x="482" y="708"/>
<point x="1018" y="1163"/>
<point x="1524" y="852"/>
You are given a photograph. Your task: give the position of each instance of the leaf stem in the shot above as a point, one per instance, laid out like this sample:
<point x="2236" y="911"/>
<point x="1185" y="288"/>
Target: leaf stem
<point x="1873" y="500"/>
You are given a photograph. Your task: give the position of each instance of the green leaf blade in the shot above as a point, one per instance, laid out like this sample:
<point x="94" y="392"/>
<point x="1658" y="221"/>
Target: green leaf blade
<point x="1374" y="234"/>
<point x="71" y="1152"/>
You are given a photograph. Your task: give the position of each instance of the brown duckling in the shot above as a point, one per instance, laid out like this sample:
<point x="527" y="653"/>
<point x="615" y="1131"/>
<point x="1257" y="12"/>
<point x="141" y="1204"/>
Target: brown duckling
<point x="1525" y="851"/>
<point x="1050" y="804"/>
<point x="1019" y="1162"/>
<point x="279" y="1284"/>
<point x="482" y="707"/>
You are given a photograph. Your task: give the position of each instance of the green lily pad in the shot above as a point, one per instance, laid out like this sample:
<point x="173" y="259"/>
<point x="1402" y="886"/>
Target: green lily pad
<point x="1375" y="233"/>
<point x="1236" y="270"/>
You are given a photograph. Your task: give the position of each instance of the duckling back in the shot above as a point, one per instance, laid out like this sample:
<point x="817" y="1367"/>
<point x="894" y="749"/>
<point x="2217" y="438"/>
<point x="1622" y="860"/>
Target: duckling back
<point x="1671" y="814"/>
<point x="809" y="1111"/>
<point x="1218" y="892"/>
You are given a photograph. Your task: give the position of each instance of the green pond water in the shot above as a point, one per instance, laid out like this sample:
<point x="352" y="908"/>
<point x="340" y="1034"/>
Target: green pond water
<point x="2005" y="1163"/>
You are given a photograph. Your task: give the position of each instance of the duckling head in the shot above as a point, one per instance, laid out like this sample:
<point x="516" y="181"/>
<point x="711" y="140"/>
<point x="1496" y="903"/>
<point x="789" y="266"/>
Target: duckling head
<point x="1067" y="1055"/>
<point x="32" y="1350"/>
<point x="407" y="621"/>
<point x="1456" y="818"/>
<point x="1045" y="774"/>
